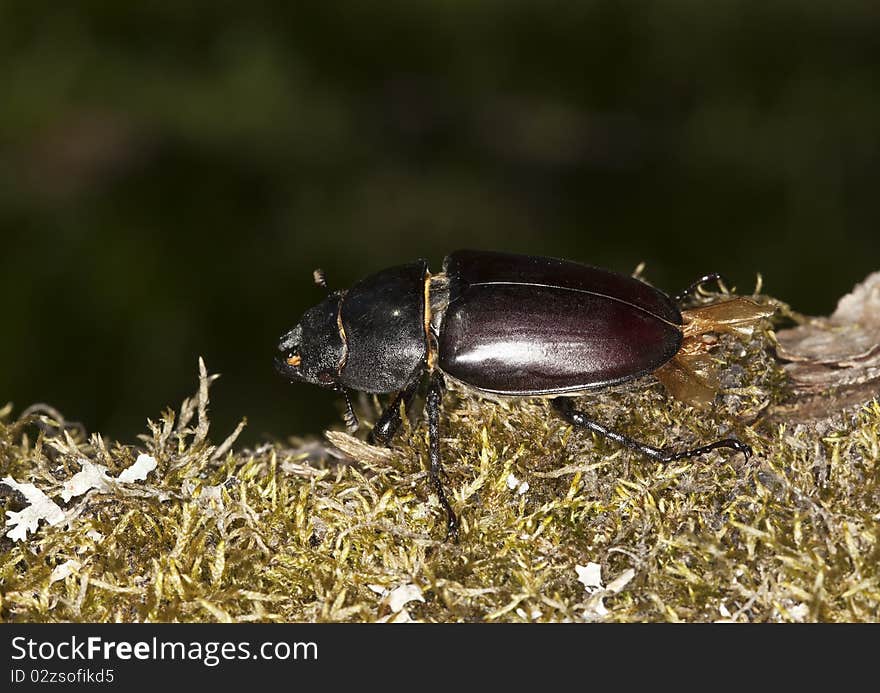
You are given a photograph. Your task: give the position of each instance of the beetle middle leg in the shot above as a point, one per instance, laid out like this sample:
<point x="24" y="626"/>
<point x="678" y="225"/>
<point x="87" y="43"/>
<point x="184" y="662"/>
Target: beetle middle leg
<point x="577" y="418"/>
<point x="389" y="421"/>
<point x="435" y="396"/>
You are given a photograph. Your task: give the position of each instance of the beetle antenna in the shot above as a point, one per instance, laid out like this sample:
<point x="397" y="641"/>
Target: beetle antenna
<point x="320" y="278"/>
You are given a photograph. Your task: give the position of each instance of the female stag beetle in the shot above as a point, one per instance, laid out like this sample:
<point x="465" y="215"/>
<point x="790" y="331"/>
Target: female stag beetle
<point x="506" y="325"/>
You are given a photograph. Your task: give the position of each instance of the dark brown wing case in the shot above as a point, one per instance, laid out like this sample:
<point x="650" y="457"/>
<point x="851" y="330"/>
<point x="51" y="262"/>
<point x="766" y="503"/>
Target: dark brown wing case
<point x="521" y="325"/>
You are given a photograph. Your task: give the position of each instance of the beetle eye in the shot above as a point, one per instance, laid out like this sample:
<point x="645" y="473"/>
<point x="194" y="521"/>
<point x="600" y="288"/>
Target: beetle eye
<point x="292" y="358"/>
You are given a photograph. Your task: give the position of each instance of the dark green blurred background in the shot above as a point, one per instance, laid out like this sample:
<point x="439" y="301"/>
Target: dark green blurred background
<point x="170" y="175"/>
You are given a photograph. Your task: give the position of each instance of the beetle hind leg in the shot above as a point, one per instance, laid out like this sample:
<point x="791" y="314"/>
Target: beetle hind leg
<point x="566" y="409"/>
<point x="681" y="296"/>
<point x="732" y="443"/>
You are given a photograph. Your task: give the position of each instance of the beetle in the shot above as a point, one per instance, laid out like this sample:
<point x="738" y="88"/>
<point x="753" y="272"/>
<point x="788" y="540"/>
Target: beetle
<point x="505" y="326"/>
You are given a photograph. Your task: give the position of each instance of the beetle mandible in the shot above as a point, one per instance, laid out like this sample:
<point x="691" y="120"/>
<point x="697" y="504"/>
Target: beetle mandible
<point x="505" y="325"/>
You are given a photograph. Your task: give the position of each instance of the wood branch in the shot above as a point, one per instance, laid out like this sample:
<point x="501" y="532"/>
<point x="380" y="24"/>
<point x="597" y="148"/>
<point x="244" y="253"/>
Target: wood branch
<point x="833" y="363"/>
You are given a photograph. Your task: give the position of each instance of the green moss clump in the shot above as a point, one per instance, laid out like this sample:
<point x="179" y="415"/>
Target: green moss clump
<point x="303" y="532"/>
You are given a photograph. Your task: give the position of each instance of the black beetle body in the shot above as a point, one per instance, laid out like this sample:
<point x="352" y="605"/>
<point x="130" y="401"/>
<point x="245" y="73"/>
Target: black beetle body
<point x="504" y="325"/>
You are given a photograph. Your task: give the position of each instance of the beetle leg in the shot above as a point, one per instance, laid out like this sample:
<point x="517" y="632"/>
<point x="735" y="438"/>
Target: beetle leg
<point x="350" y="418"/>
<point x="435" y="396"/>
<point x="389" y="422"/>
<point x="577" y="418"/>
<point x="320" y="278"/>
<point x="713" y="277"/>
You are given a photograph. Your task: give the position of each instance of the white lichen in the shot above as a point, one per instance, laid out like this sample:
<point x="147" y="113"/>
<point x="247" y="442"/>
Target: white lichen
<point x="40" y="507"/>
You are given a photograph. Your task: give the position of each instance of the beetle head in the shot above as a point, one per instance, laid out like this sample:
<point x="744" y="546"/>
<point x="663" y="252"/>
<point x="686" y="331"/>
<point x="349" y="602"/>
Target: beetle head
<point x="313" y="350"/>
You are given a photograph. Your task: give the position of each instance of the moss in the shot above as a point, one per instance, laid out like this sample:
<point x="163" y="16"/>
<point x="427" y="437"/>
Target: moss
<point x="303" y="531"/>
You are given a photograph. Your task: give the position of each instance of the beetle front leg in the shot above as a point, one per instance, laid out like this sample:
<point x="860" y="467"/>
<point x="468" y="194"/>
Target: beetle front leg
<point x="577" y="418"/>
<point x="348" y="416"/>
<point x="435" y="397"/>
<point x="389" y="422"/>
